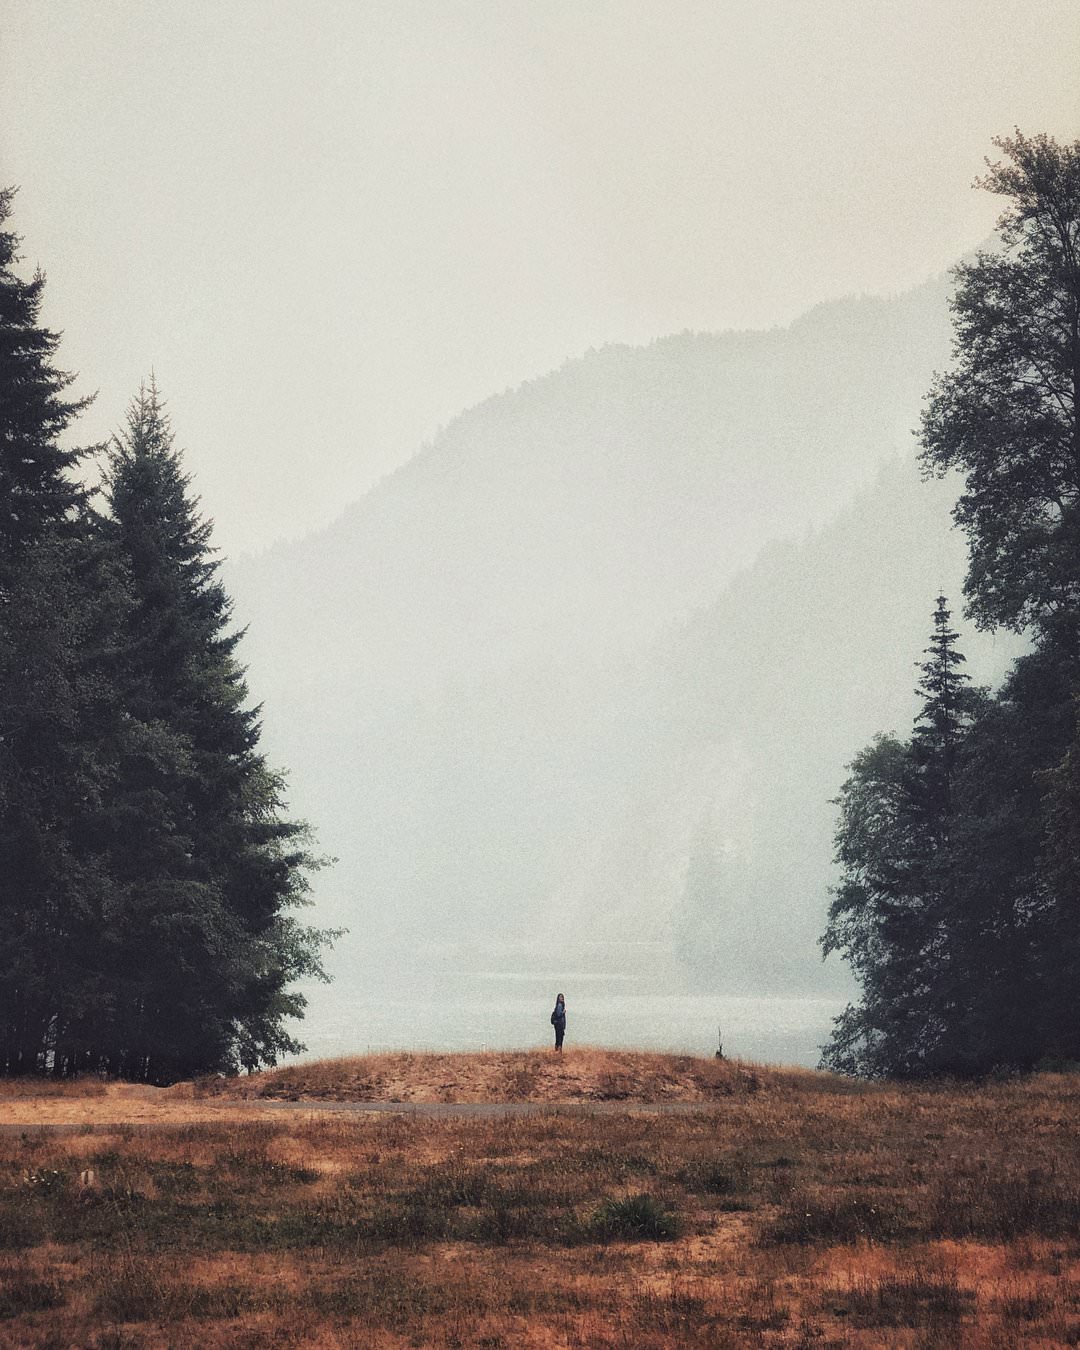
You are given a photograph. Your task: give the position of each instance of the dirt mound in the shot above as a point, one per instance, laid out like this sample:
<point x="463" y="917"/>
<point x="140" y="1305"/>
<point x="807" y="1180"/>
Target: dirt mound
<point x="579" y="1075"/>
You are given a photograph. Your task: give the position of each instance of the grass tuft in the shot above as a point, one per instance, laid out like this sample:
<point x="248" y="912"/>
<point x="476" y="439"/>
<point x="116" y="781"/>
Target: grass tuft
<point x="634" y="1218"/>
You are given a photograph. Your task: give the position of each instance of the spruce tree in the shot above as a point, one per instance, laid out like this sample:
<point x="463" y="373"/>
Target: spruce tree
<point x="946" y="714"/>
<point x="37" y="490"/>
<point x="214" y="947"/>
<point x="896" y="915"/>
<point x="58" y="606"/>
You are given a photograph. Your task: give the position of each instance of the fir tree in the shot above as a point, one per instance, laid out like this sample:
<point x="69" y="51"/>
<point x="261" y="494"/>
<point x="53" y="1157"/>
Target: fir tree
<point x="37" y="490"/>
<point x="59" y="601"/>
<point x="214" y="947"/>
<point x="946" y="714"/>
<point x="895" y="914"/>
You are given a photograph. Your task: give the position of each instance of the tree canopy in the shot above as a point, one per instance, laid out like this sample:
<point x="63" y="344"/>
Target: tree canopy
<point x="958" y="908"/>
<point x="149" y="871"/>
<point x="1006" y="415"/>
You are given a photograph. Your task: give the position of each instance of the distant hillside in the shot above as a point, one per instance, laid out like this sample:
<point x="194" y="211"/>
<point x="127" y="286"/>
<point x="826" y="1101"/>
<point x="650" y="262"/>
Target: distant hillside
<point x="586" y="510"/>
<point x="746" y="717"/>
<point x="588" y="641"/>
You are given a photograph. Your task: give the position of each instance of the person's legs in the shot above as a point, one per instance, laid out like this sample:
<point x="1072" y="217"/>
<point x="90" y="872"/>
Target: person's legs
<point x="559" y="1032"/>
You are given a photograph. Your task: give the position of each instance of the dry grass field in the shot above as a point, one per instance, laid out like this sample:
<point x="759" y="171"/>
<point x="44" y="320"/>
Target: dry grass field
<point x="784" y="1208"/>
<point x="578" y="1075"/>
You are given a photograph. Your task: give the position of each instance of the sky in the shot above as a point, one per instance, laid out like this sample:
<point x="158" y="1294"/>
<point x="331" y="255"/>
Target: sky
<point x="330" y="227"/>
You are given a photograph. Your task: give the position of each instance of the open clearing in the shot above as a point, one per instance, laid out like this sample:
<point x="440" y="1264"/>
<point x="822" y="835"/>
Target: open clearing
<point x="771" y="1208"/>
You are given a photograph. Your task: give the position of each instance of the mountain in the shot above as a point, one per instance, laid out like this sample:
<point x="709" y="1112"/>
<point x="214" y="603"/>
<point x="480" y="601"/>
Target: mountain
<point x="634" y="613"/>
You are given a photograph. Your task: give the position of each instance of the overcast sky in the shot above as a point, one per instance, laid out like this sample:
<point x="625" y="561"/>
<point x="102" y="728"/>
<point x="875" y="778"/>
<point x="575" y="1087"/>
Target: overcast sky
<point x="330" y="227"/>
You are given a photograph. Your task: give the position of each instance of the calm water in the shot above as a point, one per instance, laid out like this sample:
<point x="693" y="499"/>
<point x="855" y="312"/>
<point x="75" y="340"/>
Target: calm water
<point x="496" y="1010"/>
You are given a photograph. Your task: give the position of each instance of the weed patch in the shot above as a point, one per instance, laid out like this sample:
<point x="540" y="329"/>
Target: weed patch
<point x="635" y="1218"/>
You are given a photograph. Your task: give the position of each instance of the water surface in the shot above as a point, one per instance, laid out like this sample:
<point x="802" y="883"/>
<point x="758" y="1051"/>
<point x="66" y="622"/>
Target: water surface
<point x="499" y="1010"/>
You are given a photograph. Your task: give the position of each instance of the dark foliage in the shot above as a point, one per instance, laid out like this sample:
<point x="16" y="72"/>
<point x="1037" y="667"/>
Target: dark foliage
<point x="959" y="908"/>
<point x="147" y="866"/>
<point x="896" y="914"/>
<point x="208" y="862"/>
<point x="1006" y="415"/>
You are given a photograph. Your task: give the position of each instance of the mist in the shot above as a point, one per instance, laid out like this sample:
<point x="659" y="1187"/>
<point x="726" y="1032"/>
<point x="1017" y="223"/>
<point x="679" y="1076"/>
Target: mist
<point x="550" y="373"/>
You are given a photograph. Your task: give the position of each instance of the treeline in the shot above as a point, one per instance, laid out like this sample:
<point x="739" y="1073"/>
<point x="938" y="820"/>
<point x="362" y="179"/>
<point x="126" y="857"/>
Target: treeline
<point x="958" y="906"/>
<point x="148" y="868"/>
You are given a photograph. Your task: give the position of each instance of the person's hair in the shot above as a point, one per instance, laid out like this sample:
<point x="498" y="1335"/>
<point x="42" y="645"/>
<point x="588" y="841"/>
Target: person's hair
<point x="559" y="998"/>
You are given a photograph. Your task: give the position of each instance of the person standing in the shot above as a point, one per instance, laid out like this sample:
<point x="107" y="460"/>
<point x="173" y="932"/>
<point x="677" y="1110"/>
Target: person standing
<point x="558" y="1021"/>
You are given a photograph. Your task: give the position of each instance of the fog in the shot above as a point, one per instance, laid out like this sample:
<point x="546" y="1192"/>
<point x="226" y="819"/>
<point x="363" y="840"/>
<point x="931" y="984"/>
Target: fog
<point x="549" y="370"/>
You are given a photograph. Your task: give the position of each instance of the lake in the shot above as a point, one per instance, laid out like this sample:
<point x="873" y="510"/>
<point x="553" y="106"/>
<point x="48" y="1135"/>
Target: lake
<point x="497" y="1010"/>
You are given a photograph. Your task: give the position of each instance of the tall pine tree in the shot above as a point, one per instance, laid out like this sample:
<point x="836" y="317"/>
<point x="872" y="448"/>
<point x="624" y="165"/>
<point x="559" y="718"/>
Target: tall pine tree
<point x="212" y="874"/>
<point x="37" y="490"/>
<point x="148" y="870"/>
<point x="895" y="914"/>
<point x="59" y="600"/>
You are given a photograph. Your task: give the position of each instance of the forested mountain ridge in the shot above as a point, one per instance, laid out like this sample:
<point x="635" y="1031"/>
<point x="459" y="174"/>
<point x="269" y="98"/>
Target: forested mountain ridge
<point x="589" y="508"/>
<point x="519" y="679"/>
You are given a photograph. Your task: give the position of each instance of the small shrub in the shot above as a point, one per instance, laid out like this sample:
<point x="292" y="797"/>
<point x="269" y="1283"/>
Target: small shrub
<point x="176" y="1178"/>
<point x="454" y="1187"/>
<point x="22" y="1223"/>
<point x="635" y="1218"/>
<point x="415" y="1222"/>
<point x="130" y="1292"/>
<point x="521" y="1082"/>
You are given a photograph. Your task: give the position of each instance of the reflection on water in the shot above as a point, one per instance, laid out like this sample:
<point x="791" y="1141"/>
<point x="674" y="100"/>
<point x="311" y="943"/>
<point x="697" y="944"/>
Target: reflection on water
<point x="497" y="1010"/>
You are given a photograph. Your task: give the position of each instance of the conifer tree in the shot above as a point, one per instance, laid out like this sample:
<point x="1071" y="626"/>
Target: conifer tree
<point x="214" y="947"/>
<point x="1007" y="416"/>
<point x="37" y="490"/>
<point x="896" y="914"/>
<point x="946" y="714"/>
<point x="978" y="908"/>
<point x="58" y="605"/>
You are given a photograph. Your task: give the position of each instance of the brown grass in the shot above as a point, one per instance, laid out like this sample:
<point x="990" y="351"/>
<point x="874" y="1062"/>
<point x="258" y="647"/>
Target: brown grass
<point x="578" y="1075"/>
<point x="800" y="1213"/>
